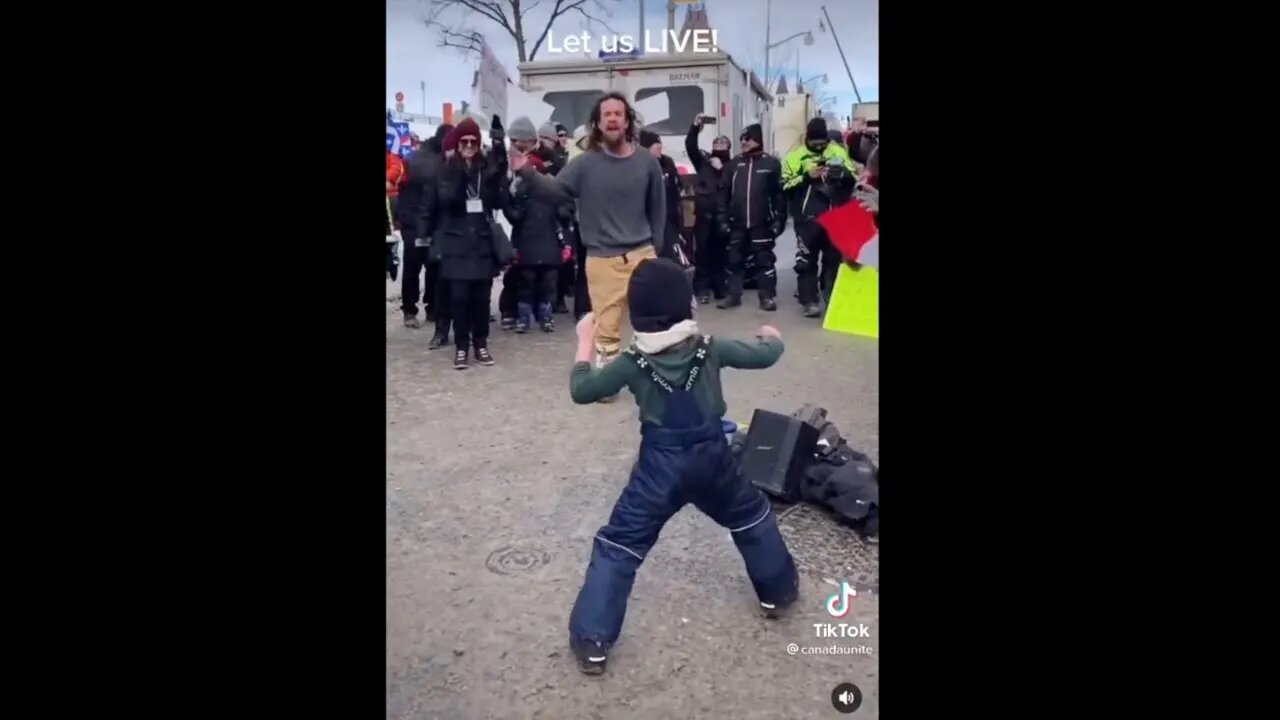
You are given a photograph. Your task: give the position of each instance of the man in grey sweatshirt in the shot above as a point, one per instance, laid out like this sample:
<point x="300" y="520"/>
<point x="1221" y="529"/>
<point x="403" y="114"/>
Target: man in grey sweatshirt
<point x="622" y="207"/>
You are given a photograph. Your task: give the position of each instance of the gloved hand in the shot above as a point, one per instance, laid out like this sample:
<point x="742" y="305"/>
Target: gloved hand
<point x="566" y="254"/>
<point x="496" y="135"/>
<point x="776" y="227"/>
<point x="515" y="257"/>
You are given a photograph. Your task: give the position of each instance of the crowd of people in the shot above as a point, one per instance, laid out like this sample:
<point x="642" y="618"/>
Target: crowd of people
<point x="583" y="214"/>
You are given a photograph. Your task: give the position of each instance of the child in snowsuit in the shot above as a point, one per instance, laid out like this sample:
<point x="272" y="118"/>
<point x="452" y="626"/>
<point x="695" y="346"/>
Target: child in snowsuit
<point x="537" y="236"/>
<point x="674" y="374"/>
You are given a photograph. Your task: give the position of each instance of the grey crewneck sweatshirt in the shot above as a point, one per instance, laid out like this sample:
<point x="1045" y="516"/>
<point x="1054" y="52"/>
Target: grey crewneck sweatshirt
<point x="622" y="203"/>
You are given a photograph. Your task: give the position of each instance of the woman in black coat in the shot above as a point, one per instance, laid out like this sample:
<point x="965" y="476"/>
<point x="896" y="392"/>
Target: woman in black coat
<point x="469" y="190"/>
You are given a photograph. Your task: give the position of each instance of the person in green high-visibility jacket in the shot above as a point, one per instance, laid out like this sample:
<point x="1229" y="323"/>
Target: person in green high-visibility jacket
<point x="817" y="176"/>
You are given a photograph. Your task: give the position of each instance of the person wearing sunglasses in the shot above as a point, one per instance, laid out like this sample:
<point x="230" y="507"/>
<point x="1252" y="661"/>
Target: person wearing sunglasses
<point x="471" y="187"/>
<point x="752" y="213"/>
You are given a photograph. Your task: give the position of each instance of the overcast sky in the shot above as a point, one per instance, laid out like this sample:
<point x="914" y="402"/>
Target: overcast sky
<point x="413" y="55"/>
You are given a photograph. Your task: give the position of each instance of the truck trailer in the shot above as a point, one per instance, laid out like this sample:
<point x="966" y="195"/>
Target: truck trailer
<point x="667" y="90"/>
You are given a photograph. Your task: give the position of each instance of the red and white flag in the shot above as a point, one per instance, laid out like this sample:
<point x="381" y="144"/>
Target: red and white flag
<point x="851" y="229"/>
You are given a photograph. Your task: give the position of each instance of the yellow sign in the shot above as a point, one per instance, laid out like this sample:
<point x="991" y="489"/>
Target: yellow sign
<point x="855" y="302"/>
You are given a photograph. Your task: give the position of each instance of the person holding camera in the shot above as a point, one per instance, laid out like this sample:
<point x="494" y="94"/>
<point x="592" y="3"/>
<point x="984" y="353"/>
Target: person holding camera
<point x="817" y="176"/>
<point x="752" y="213"/>
<point x="708" y="247"/>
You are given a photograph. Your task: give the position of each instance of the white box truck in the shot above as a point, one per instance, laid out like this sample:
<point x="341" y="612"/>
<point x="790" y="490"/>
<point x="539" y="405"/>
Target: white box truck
<point x="667" y="90"/>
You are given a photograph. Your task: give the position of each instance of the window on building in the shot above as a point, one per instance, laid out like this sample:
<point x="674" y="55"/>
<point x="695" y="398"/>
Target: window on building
<point x="572" y="107"/>
<point x="684" y="102"/>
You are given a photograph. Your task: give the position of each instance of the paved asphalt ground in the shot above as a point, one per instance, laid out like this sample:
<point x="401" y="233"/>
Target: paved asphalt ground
<point x="496" y="483"/>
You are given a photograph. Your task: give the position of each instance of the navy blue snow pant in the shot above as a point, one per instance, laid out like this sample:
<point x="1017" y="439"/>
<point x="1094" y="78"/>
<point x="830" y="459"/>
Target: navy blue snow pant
<point x="677" y="466"/>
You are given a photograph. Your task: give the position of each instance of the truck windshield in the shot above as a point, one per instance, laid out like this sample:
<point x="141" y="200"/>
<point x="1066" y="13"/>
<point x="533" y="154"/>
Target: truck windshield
<point x="684" y="103"/>
<point x="572" y="107"/>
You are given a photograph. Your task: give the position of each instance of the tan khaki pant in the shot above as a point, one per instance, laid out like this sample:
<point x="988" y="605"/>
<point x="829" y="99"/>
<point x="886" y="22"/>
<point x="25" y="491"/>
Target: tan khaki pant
<point x="607" y="279"/>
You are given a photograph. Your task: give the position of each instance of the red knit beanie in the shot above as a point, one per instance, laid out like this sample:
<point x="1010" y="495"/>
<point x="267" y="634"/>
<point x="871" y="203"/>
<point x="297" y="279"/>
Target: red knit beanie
<point x="464" y="128"/>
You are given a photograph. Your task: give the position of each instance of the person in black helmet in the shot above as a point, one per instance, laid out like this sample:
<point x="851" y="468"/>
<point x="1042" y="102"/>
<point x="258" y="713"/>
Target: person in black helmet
<point x="708" y="245"/>
<point x="752" y="214"/>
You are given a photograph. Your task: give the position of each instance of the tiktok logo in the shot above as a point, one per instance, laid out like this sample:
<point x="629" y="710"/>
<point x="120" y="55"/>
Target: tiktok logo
<point x="841" y="604"/>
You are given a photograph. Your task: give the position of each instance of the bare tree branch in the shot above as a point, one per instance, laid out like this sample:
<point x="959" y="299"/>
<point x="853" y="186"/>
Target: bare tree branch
<point x="461" y="36"/>
<point x="470" y="42"/>
<point x="602" y="8"/>
<point x="555" y="13"/>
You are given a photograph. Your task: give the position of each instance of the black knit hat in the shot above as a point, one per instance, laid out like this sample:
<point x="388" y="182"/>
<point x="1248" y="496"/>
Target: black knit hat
<point x="648" y="139"/>
<point x="816" y="130"/>
<point x="755" y="132"/>
<point x="660" y="295"/>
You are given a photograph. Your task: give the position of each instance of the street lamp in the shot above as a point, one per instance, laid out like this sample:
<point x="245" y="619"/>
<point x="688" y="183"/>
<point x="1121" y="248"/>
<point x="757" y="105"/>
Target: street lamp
<point x="768" y="13"/>
<point x="822" y="77"/>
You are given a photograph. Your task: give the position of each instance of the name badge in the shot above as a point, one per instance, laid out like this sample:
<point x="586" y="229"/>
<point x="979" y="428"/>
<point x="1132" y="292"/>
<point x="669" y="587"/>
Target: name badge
<point x="475" y="205"/>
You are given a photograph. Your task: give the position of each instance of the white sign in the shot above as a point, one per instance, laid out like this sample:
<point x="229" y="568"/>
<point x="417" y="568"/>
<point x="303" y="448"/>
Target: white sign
<point x="491" y="86"/>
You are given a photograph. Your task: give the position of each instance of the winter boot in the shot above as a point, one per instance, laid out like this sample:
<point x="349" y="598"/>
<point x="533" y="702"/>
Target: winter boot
<point x="544" y="317"/>
<point x="525" y="319"/>
<point x="592" y="655"/>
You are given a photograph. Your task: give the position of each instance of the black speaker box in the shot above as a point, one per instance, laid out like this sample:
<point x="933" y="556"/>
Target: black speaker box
<point x="778" y="449"/>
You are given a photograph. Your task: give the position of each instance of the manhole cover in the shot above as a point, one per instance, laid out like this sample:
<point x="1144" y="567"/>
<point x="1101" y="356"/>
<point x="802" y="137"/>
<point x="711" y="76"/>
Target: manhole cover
<point x="823" y="546"/>
<point x="510" y="560"/>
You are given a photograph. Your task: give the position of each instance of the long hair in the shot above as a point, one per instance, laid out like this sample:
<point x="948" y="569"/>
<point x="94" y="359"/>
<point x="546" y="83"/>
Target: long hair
<point x="596" y="138"/>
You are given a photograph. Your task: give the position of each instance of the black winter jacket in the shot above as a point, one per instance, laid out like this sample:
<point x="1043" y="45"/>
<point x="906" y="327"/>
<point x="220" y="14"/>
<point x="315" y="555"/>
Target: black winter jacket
<point x="751" y="194"/>
<point x="424" y="165"/>
<point x="707" y="179"/>
<point x="671" y="181"/>
<point x="463" y="241"/>
<point x="536" y="227"/>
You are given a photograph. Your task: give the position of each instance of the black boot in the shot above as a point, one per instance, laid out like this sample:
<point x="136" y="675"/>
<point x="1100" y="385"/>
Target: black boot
<point x="438" y="341"/>
<point x="813" y="310"/>
<point x="768" y="304"/>
<point x="592" y="655"/>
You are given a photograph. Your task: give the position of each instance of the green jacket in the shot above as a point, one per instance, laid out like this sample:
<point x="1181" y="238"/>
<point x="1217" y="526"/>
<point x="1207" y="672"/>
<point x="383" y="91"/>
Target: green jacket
<point x="806" y="198"/>
<point x="588" y="385"/>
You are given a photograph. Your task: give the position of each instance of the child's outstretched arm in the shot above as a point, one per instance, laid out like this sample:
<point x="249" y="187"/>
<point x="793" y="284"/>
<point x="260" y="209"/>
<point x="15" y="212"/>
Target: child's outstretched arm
<point x="762" y="353"/>
<point x="588" y="385"/>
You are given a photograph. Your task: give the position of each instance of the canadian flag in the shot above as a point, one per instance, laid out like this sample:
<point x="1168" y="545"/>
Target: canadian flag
<point x="853" y="232"/>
